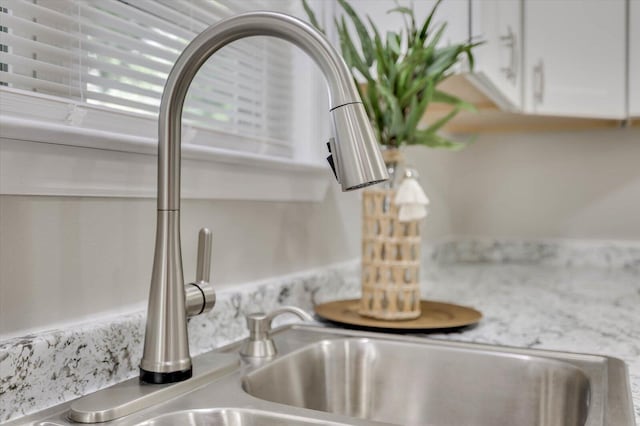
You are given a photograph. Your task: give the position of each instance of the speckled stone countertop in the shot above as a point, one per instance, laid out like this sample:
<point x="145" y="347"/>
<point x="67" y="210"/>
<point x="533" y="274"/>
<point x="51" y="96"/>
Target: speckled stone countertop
<point x="569" y="296"/>
<point x="586" y="309"/>
<point x="42" y="370"/>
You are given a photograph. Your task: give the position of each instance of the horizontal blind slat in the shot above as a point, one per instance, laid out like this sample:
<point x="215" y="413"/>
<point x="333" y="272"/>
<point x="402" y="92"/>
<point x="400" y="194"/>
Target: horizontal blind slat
<point x="197" y="101"/>
<point x="50" y="34"/>
<point x="198" y="18"/>
<point x="119" y="103"/>
<point x="100" y="47"/>
<point x="136" y="10"/>
<point x="25" y="9"/>
<point x="97" y="47"/>
<point x="44" y="86"/>
<point x="126" y="30"/>
<point x="12" y="40"/>
<point x="34" y="65"/>
<point x="118" y="53"/>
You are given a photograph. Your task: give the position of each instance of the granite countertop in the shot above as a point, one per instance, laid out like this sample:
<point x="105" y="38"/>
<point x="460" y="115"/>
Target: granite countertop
<point x="585" y="309"/>
<point x="576" y="297"/>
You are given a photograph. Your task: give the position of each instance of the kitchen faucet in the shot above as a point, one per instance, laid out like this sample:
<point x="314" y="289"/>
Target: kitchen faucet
<point x="354" y="157"/>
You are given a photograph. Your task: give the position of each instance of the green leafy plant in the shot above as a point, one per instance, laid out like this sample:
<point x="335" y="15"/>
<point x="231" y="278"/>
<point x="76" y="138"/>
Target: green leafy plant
<point x="401" y="72"/>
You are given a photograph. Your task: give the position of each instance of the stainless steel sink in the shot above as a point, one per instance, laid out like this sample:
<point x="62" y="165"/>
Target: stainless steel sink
<point x="416" y="381"/>
<point x="411" y="383"/>
<point x="340" y="377"/>
<point x="228" y="417"/>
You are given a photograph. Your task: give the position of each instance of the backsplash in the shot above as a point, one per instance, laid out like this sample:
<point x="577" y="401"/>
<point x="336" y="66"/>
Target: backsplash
<point x="43" y="370"/>
<point x="563" y="253"/>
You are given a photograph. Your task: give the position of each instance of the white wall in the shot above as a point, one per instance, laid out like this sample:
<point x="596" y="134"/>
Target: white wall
<point x="539" y="185"/>
<point x="65" y="259"/>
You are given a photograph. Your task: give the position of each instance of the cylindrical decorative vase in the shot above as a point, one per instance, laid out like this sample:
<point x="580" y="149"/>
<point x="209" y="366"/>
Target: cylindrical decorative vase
<point x="390" y="258"/>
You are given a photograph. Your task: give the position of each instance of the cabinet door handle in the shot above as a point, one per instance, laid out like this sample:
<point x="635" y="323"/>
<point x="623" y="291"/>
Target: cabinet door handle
<point x="510" y="41"/>
<point x="538" y="82"/>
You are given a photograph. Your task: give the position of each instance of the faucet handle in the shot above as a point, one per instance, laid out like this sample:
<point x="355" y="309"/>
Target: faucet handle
<point x="259" y="344"/>
<point x="200" y="296"/>
<point x="203" y="265"/>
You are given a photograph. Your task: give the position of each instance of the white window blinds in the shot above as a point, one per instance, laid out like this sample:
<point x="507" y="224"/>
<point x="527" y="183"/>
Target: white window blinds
<point x="116" y="54"/>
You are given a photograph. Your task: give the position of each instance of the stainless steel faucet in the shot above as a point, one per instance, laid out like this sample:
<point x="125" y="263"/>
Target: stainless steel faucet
<point x="356" y="159"/>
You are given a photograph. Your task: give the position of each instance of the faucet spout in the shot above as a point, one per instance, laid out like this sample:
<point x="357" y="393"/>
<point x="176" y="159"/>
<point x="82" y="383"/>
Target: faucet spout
<point x="356" y="155"/>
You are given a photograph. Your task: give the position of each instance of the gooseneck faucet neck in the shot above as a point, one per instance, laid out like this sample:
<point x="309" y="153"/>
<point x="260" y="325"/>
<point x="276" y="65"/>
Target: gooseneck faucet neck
<point x="206" y="44"/>
<point x="166" y="350"/>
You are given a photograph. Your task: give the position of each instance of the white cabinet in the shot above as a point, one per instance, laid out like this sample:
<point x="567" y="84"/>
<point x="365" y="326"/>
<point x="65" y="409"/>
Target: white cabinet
<point x="545" y="57"/>
<point x="634" y="58"/>
<point x="498" y="70"/>
<point x="575" y="58"/>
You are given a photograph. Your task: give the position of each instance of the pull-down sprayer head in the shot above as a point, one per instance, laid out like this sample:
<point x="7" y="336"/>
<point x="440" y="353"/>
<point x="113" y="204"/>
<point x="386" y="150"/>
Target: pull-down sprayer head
<point x="356" y="156"/>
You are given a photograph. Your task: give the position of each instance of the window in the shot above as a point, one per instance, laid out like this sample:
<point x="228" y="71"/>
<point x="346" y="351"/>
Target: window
<point x="86" y="77"/>
<point x="114" y="56"/>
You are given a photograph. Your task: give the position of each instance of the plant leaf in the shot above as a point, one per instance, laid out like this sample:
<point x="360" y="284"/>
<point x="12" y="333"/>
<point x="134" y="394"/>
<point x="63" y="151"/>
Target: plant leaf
<point x="424" y="31"/>
<point x="346" y="53"/>
<point x="438" y="124"/>
<point x="468" y="50"/>
<point x="378" y="117"/>
<point x="404" y="82"/>
<point x="434" y="140"/>
<point x="405" y="11"/>
<point x="381" y="60"/>
<point x="363" y="34"/>
<point x="394" y="117"/>
<point x="349" y="51"/>
<point x="443" y="59"/>
<point x="433" y="42"/>
<point x="405" y="72"/>
<point x="418" y="108"/>
<point x="401" y="9"/>
<point x="312" y="16"/>
<point x="445" y="98"/>
<point x="393" y="44"/>
<point x="415" y="88"/>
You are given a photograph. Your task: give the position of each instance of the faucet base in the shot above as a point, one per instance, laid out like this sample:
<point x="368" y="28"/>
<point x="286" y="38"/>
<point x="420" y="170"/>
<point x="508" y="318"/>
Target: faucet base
<point x="132" y="396"/>
<point x="157" y="378"/>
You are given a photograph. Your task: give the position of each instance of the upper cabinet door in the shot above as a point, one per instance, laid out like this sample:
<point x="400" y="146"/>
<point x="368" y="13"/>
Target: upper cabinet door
<point x="634" y="59"/>
<point x="498" y="70"/>
<point x="575" y="62"/>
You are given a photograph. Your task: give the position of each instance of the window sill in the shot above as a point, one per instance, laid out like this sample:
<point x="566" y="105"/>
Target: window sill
<point x="40" y="157"/>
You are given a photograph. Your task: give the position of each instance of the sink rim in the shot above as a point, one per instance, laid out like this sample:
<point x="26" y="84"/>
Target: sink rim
<point x="350" y="347"/>
<point x="545" y="356"/>
<point x="227" y="391"/>
<point x="607" y="372"/>
<point x="428" y="340"/>
<point x="253" y="412"/>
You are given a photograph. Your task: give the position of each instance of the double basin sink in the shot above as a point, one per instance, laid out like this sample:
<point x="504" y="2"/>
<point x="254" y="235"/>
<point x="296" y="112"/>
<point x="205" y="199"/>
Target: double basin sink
<point x="324" y="376"/>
